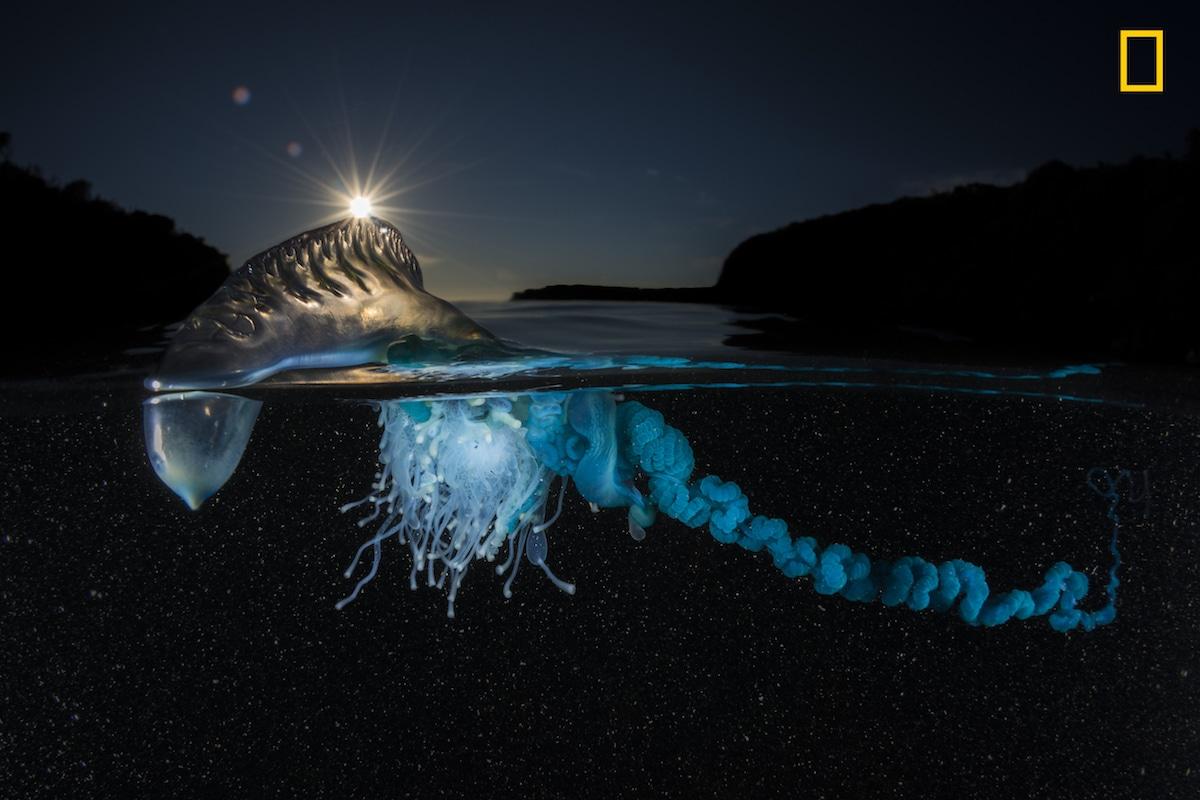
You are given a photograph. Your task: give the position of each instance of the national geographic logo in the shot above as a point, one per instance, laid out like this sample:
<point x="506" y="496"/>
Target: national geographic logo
<point x="1141" y="50"/>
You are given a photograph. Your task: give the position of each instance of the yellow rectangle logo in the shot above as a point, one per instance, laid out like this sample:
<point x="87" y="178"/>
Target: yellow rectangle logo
<point x="1157" y="36"/>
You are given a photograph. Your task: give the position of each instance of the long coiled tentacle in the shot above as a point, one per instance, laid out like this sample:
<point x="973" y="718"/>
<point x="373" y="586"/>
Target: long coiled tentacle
<point x="663" y="453"/>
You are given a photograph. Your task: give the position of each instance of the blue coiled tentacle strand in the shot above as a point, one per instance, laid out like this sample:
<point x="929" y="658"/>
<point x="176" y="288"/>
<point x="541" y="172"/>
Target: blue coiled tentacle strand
<point x="664" y="455"/>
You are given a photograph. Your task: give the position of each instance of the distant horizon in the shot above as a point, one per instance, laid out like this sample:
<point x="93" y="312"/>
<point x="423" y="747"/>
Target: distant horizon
<point x="618" y="144"/>
<point x="503" y="294"/>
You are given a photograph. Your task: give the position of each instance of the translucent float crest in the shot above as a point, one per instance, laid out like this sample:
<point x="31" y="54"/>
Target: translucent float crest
<point x="336" y="296"/>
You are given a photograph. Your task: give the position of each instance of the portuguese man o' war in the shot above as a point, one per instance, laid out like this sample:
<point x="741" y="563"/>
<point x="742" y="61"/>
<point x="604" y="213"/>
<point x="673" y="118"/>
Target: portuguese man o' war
<point x="472" y="478"/>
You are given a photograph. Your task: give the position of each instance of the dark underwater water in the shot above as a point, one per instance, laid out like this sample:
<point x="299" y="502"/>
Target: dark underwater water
<point x="150" y="650"/>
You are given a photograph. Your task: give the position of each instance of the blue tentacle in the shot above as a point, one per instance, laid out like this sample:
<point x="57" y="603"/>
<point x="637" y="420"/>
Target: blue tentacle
<point x="664" y="455"/>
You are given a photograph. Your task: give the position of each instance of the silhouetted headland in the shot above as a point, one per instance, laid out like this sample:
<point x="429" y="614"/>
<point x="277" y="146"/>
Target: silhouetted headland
<point x="83" y="277"/>
<point x="1095" y="262"/>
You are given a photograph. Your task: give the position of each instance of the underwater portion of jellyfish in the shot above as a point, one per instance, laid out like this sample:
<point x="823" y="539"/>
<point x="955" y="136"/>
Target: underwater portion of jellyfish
<point x="461" y="478"/>
<point x="196" y="439"/>
<point x="464" y="479"/>
<point x="336" y="296"/>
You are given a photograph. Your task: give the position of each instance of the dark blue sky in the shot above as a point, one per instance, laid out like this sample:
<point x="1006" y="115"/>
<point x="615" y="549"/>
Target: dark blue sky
<point x="560" y="142"/>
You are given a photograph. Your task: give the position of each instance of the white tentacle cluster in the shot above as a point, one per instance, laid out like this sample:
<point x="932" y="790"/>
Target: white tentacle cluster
<point x="457" y="481"/>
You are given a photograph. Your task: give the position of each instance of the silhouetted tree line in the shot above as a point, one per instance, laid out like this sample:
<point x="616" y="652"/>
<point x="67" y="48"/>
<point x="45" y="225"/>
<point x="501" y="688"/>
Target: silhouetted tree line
<point x="1098" y="261"/>
<point x="82" y="276"/>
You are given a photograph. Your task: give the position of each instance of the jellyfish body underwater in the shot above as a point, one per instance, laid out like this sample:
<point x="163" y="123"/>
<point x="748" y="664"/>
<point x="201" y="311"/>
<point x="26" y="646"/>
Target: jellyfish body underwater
<point x="462" y="479"/>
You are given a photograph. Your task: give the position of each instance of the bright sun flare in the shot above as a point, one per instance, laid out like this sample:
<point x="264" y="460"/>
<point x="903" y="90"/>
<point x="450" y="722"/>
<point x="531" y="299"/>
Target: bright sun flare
<point x="379" y="192"/>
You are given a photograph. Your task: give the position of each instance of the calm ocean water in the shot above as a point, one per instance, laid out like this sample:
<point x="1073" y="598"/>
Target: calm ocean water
<point x="152" y="650"/>
<point x="667" y="329"/>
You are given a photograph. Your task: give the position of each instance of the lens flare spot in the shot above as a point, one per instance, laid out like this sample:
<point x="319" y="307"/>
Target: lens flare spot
<point x="360" y="207"/>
